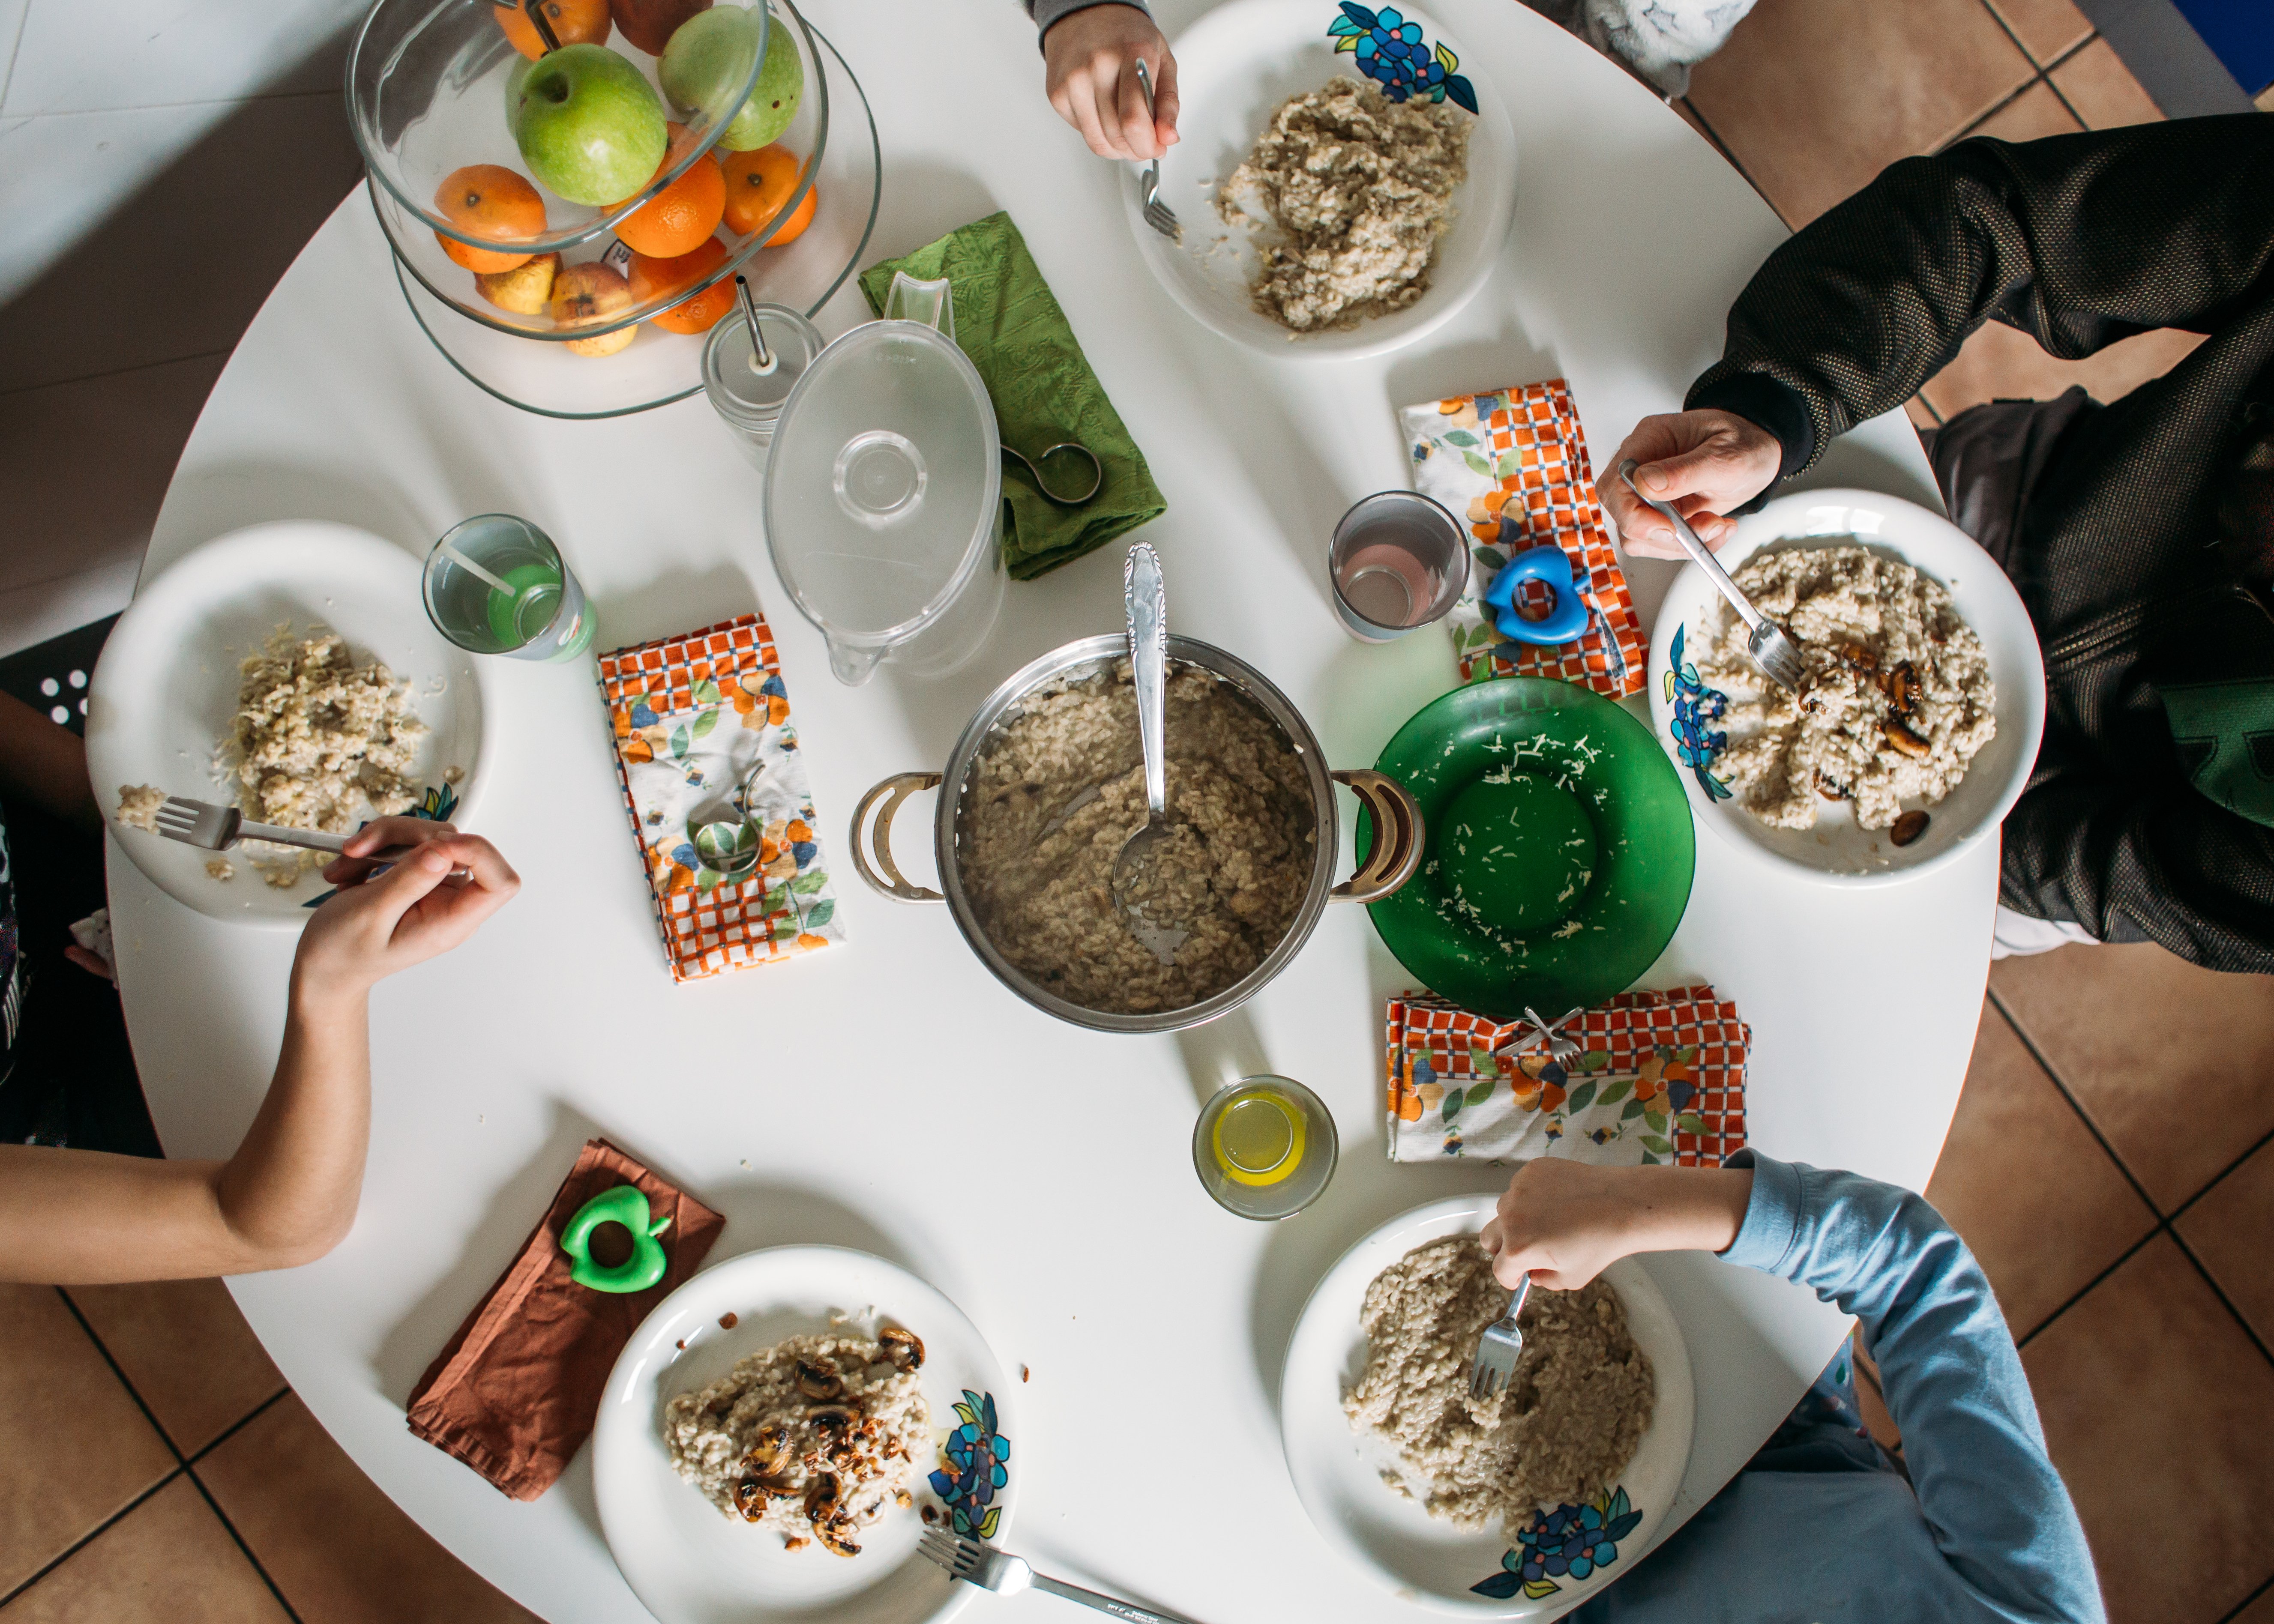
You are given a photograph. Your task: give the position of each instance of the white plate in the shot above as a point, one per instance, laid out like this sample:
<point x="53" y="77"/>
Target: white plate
<point x="1836" y="850"/>
<point x="689" y="1564"/>
<point x="164" y="693"/>
<point x="1235" y="65"/>
<point x="1337" y="1473"/>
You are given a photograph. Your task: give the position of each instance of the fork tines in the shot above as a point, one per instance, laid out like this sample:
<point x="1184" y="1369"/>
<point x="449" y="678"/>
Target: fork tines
<point x="952" y="1552"/>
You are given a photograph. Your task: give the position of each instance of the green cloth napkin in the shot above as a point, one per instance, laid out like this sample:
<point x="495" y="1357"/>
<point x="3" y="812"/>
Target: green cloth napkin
<point x="1009" y="323"/>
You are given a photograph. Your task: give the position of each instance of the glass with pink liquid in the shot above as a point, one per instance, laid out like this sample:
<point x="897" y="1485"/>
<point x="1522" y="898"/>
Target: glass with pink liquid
<point x="1398" y="560"/>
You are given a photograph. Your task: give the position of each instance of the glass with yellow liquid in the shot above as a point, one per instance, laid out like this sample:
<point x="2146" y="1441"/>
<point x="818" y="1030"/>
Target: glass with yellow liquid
<point x="1264" y="1147"/>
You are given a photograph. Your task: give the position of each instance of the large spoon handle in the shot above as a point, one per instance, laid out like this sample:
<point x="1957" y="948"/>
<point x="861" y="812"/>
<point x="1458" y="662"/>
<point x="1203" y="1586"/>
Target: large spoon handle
<point x="1700" y="554"/>
<point x="1148" y="668"/>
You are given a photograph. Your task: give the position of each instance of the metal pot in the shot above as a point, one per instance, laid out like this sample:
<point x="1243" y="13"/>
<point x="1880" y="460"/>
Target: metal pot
<point x="1396" y="848"/>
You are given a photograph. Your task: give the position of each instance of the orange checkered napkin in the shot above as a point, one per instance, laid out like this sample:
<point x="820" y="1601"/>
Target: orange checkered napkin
<point x="1659" y="1078"/>
<point x="1512" y="465"/>
<point x="692" y="717"/>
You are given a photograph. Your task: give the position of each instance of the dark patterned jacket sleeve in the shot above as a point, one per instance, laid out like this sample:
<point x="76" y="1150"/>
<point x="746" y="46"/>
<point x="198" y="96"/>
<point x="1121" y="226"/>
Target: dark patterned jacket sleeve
<point x="2078" y="241"/>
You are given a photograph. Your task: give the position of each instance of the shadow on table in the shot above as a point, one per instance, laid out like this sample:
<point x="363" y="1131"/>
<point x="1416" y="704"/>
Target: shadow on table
<point x="924" y="202"/>
<point x="1435" y="370"/>
<point x="215" y="501"/>
<point x="1221" y="1051"/>
<point x="680" y="601"/>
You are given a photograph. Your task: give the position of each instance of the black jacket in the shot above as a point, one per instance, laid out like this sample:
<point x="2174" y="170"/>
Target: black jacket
<point x="2146" y="548"/>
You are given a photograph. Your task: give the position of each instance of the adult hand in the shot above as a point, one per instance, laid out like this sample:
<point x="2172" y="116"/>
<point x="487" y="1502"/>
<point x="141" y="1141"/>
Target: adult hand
<point x="1701" y="463"/>
<point x="1092" y="58"/>
<point x="382" y="923"/>
<point x="1564" y="1223"/>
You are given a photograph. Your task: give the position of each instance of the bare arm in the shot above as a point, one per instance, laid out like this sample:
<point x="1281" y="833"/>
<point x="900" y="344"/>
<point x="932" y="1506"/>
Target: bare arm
<point x="44" y="764"/>
<point x="1564" y="1222"/>
<point x="288" y="1195"/>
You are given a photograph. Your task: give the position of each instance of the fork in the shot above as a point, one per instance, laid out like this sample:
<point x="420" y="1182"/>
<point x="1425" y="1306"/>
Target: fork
<point x="1006" y="1574"/>
<point x="1503" y="1345"/>
<point x="1157" y="213"/>
<point x="1772" y="650"/>
<point x="217" y="828"/>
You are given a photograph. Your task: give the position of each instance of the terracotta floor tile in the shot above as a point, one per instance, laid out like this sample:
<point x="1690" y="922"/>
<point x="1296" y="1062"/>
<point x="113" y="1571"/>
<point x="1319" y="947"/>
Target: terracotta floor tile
<point x="2102" y="90"/>
<point x="2229" y="1230"/>
<point x="2025" y="1183"/>
<point x="73" y="1445"/>
<point x="2261" y="1610"/>
<point x="2047" y="29"/>
<point x="339" y="1549"/>
<point x="2004" y="364"/>
<point x="2148" y="1389"/>
<point x="187" y="1351"/>
<point x="1815" y="97"/>
<point x="170" y="1561"/>
<point x="2036" y="113"/>
<point x="2174" y="1064"/>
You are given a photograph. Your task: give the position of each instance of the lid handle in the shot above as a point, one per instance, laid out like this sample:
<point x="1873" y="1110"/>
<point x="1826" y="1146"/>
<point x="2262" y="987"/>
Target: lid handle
<point x="930" y="303"/>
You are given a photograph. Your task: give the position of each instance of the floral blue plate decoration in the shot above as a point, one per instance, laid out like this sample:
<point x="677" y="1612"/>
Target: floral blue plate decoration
<point x="976" y="1453"/>
<point x="1570" y="1542"/>
<point x="1390" y="52"/>
<point x="1698" y="743"/>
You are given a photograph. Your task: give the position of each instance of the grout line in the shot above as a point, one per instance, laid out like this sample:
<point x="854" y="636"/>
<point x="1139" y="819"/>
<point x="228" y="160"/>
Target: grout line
<point x="163" y="107"/>
<point x="15" y="50"/>
<point x="2264" y="1139"/>
<point x="238" y="1425"/>
<point x="1722" y="146"/>
<point x="2242" y="1605"/>
<point x="93" y="1534"/>
<point x="257" y="1565"/>
<point x="2037" y="76"/>
<point x="2085" y="1290"/>
<point x="182" y="1465"/>
<point x="139" y="367"/>
<point x="2219" y="1292"/>
<point x="2067" y="57"/>
<point x="2084" y="1116"/>
<point x="2072" y="52"/>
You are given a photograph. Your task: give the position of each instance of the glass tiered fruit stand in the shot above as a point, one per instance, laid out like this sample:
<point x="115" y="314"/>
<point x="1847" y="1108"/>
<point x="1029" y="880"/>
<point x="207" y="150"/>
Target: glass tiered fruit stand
<point x="429" y="83"/>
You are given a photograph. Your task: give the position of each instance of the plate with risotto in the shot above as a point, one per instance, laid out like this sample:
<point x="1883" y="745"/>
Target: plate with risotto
<point x="779" y="1432"/>
<point x="289" y="670"/>
<point x="1522" y="1504"/>
<point x="1344" y="181"/>
<point x="1921" y="707"/>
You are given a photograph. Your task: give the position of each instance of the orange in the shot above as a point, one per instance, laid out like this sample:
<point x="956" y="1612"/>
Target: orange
<point x="656" y="278"/>
<point x="683" y="214"/>
<point x="488" y="200"/>
<point x="758" y="184"/>
<point x="574" y="22"/>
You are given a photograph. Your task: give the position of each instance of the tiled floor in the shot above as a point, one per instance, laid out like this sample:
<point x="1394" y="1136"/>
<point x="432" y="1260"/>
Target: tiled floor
<point x="157" y="1467"/>
<point x="2112" y="1161"/>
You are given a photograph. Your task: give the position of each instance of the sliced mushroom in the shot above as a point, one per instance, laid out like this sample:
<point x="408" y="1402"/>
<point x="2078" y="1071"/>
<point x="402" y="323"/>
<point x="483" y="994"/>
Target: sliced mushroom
<point x="1859" y="657"/>
<point x="904" y="1349"/>
<point x="819" y="1381"/>
<point x="823" y="1498"/>
<point x="834" y="1418"/>
<point x="836" y="1536"/>
<point x="1902" y="685"/>
<point x="1903" y="739"/>
<point x="752" y="1494"/>
<point x="768" y="1450"/>
<point x="1908" y="828"/>
<point x="1828" y="789"/>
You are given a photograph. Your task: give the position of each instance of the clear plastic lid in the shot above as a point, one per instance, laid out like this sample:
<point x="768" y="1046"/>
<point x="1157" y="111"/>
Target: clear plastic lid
<point x="883" y="486"/>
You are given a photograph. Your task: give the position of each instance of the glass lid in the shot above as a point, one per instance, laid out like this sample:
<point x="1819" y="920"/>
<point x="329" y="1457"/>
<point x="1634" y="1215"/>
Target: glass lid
<point x="882" y="490"/>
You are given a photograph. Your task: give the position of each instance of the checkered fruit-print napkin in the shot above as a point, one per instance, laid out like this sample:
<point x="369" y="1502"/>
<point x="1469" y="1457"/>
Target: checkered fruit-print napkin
<point x="691" y="716"/>
<point x="1659" y="1078"/>
<point x="1512" y="464"/>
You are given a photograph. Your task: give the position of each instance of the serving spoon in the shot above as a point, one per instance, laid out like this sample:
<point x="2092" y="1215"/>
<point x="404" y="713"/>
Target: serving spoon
<point x="1148" y="674"/>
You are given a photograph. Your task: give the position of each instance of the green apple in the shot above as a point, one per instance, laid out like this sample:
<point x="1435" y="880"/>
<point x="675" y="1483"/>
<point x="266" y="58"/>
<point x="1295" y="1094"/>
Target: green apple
<point x="589" y="124"/>
<point x="708" y="56"/>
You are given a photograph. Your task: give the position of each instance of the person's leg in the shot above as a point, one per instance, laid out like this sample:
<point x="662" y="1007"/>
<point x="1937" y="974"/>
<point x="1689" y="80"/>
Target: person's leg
<point x="1987" y="461"/>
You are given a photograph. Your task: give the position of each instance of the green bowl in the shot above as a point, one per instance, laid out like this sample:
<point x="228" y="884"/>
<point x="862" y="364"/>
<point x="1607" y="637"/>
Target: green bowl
<point x="1559" y="848"/>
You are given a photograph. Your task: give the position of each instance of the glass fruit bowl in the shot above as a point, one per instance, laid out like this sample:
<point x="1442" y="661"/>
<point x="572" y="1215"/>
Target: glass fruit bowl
<point x="428" y="86"/>
<point x="659" y="366"/>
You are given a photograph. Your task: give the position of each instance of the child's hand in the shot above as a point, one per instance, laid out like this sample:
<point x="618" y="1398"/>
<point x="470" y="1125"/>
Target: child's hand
<point x="380" y="924"/>
<point x="1091" y="56"/>
<point x="1564" y="1223"/>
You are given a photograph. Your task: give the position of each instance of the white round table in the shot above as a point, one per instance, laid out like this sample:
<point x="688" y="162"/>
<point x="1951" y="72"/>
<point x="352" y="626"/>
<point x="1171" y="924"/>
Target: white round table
<point x="889" y="1095"/>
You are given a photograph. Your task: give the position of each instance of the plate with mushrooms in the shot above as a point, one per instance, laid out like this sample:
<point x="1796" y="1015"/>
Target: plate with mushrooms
<point x="781" y="1430"/>
<point x="1919" y="711"/>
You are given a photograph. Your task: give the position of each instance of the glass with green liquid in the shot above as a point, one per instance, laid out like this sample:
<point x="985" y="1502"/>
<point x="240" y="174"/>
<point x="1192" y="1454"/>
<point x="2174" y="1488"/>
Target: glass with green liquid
<point x="495" y="584"/>
<point x="1264" y="1147"/>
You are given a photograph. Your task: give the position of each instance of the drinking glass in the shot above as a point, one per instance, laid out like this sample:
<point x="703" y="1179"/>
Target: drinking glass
<point x="1398" y="560"/>
<point x="495" y="584"/>
<point x="1264" y="1147"/>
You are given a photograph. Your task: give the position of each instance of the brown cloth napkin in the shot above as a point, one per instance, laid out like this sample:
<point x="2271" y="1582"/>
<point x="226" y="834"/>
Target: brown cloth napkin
<point x="514" y="1392"/>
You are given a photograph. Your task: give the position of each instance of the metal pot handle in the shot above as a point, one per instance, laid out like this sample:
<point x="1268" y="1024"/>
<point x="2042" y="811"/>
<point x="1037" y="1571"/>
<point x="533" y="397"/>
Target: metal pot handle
<point x="1398" y="837"/>
<point x="899" y="888"/>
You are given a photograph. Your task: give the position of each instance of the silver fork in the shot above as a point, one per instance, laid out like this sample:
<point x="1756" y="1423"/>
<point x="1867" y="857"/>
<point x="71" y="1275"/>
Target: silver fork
<point x="1501" y="1347"/>
<point x="1772" y="647"/>
<point x="1157" y="213"/>
<point x="217" y="828"/>
<point x="1006" y="1574"/>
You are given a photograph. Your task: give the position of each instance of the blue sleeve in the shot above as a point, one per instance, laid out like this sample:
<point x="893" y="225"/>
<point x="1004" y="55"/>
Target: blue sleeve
<point x="1997" y="1512"/>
